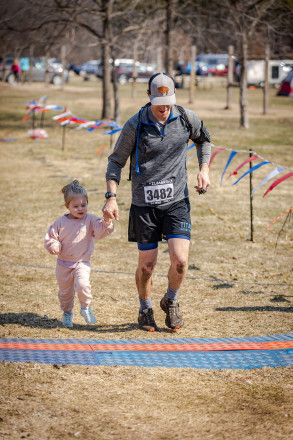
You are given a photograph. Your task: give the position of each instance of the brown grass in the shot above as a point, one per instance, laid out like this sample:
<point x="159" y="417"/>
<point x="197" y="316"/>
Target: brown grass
<point x="233" y="287"/>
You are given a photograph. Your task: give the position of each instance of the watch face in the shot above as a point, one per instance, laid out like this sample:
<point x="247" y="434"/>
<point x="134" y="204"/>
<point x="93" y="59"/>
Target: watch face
<point x="109" y="194"/>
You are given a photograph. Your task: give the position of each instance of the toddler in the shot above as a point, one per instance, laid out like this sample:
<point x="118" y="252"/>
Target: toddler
<point x="71" y="237"/>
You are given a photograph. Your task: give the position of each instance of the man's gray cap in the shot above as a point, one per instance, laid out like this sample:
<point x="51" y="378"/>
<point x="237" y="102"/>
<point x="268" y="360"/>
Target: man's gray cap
<point x="162" y="90"/>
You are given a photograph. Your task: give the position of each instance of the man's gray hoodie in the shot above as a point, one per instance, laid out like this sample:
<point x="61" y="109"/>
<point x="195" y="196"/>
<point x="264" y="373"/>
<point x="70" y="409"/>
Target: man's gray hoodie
<point x="158" y="155"/>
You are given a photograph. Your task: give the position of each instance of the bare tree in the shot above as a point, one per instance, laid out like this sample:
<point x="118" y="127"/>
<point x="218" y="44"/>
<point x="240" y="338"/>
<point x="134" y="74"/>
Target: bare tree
<point x="170" y="11"/>
<point x="115" y="27"/>
<point x="238" y="21"/>
<point x="11" y="42"/>
<point x="41" y="32"/>
<point x="247" y="19"/>
<point x="109" y="21"/>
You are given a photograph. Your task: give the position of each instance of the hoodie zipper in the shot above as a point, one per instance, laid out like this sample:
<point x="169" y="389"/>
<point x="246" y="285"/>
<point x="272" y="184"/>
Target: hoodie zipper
<point x="171" y="118"/>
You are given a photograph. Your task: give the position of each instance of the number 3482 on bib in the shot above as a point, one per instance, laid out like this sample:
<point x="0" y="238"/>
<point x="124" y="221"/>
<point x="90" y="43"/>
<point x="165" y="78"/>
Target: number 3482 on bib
<point x="159" y="193"/>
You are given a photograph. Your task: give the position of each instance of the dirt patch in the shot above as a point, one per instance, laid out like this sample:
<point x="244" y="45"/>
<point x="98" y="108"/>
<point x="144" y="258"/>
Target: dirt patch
<point x="46" y="401"/>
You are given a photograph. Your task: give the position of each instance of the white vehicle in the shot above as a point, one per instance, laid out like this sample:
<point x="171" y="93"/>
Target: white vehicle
<point x="278" y="70"/>
<point x="55" y="70"/>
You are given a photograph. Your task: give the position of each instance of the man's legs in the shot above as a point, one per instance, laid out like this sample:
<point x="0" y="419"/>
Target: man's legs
<point x="144" y="280"/>
<point x="178" y="251"/>
<point x="144" y="272"/>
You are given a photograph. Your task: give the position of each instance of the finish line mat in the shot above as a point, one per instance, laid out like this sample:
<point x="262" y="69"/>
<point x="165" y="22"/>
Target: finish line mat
<point x="201" y="353"/>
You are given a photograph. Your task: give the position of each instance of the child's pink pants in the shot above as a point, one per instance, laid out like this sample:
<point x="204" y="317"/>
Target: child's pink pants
<point x="74" y="280"/>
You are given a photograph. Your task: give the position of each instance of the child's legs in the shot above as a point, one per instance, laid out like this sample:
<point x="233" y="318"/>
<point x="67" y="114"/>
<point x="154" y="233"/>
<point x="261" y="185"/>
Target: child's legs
<point x="82" y="283"/>
<point x="65" y="279"/>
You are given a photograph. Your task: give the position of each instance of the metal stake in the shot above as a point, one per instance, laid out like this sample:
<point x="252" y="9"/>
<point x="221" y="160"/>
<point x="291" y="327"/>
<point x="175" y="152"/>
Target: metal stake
<point x="251" y="199"/>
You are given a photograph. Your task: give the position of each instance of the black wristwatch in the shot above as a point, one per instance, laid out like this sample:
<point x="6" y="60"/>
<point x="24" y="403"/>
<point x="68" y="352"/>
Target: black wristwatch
<point x="109" y="194"/>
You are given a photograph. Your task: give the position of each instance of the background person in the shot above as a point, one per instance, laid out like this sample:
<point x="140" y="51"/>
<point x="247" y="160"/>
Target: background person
<point x="24" y="64"/>
<point x="71" y="237"/>
<point x="15" y="69"/>
<point x="156" y="139"/>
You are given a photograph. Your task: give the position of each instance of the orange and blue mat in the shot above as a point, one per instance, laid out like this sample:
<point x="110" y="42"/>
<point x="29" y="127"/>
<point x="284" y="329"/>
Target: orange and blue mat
<point x="200" y="353"/>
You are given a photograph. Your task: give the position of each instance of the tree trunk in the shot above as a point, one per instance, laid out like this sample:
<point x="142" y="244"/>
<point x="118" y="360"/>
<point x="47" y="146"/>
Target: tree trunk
<point x="243" y="84"/>
<point x="266" y="85"/>
<point x="192" y="75"/>
<point x="116" y="94"/>
<point x="134" y="72"/>
<point x="47" y="79"/>
<point x="230" y="77"/>
<point x="31" y="54"/>
<point x="63" y="62"/>
<point x="169" y="36"/>
<point x="159" y="60"/>
<point x="4" y="55"/>
<point x="107" y="9"/>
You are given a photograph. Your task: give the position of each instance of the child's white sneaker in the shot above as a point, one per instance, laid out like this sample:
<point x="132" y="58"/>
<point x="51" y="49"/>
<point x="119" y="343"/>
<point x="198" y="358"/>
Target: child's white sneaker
<point x="87" y="314"/>
<point x="67" y="319"/>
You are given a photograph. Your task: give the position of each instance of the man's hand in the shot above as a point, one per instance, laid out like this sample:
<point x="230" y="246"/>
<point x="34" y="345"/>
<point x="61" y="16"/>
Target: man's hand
<point x="110" y="209"/>
<point x="203" y="180"/>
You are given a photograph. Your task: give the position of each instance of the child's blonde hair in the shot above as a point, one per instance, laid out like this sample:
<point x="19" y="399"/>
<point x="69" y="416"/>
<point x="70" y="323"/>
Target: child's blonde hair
<point x="73" y="190"/>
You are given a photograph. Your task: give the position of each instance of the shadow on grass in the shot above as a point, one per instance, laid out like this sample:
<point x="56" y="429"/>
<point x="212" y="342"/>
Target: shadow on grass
<point x="248" y="292"/>
<point x="223" y="286"/>
<point x="35" y="321"/>
<point x="255" y="309"/>
<point x="29" y="320"/>
<point x="280" y="298"/>
<point x="116" y="328"/>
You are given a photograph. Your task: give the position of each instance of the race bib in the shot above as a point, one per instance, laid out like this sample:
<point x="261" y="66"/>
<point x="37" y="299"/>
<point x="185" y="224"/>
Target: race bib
<point x="159" y="192"/>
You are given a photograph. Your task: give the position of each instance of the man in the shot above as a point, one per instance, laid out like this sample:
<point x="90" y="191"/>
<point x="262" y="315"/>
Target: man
<point x="156" y="139"/>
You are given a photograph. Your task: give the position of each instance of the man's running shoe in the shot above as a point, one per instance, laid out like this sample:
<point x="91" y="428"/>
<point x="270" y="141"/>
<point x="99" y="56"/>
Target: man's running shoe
<point x="146" y="320"/>
<point x="87" y="314"/>
<point x="174" y="319"/>
<point x="67" y="319"/>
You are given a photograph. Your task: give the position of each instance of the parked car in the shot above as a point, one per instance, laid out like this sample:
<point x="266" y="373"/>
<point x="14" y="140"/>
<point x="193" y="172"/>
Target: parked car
<point x="209" y="64"/>
<point x="92" y="67"/>
<point x="55" y="71"/>
<point x="124" y="70"/>
<point x="143" y="72"/>
<point x="218" y="70"/>
<point x="119" y="62"/>
<point x="185" y="69"/>
<point x="8" y="64"/>
<point x="38" y="70"/>
<point x="213" y="64"/>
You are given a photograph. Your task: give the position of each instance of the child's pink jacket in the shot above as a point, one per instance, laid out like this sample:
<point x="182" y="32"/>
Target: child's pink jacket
<point x="73" y="239"/>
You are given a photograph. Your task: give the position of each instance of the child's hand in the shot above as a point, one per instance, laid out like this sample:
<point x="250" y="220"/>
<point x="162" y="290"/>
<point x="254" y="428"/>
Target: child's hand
<point x="55" y="249"/>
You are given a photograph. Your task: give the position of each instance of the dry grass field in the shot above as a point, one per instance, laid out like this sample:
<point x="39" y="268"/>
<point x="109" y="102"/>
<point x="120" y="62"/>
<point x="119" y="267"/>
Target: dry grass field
<point x="234" y="287"/>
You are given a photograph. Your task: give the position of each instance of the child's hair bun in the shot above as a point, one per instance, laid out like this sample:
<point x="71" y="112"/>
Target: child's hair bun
<point x="72" y="190"/>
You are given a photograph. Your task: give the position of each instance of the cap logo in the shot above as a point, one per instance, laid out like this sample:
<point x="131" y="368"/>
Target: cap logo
<point x="163" y="90"/>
